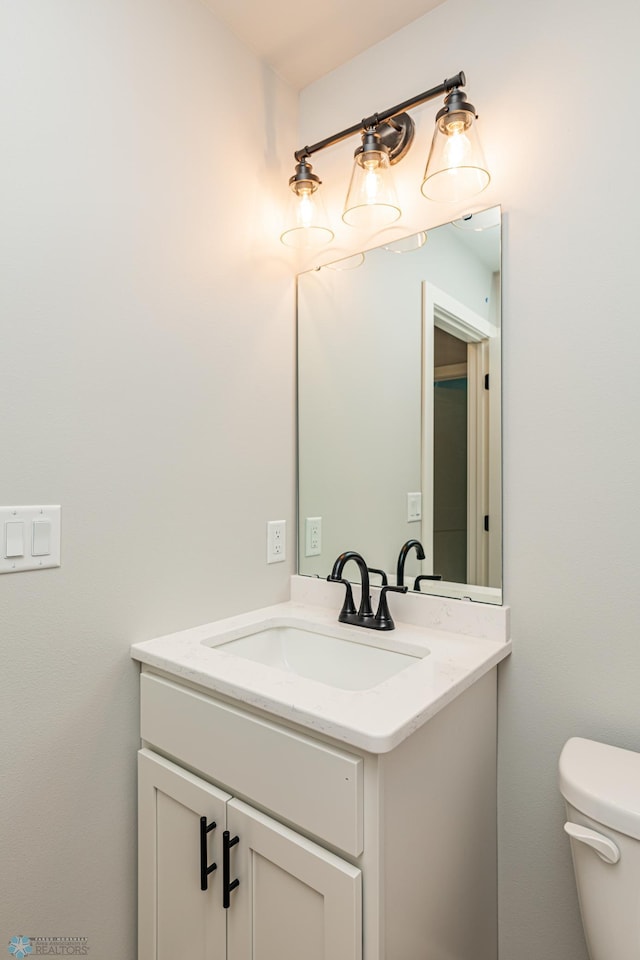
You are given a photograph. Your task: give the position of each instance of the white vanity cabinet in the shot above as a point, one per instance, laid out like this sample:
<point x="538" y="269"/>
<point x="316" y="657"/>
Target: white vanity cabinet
<point x="293" y="899"/>
<point x="341" y="854"/>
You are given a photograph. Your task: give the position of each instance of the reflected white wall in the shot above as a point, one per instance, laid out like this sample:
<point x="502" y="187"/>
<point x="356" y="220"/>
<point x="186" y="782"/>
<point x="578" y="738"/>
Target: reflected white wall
<point x="360" y="394"/>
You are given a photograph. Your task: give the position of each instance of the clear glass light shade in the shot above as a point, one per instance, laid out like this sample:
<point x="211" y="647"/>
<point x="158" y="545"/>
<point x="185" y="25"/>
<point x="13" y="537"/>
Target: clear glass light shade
<point x="307" y="225"/>
<point x="406" y="244"/>
<point x="371" y="202"/>
<point x="456" y="168"/>
<point x="346" y="263"/>
<point x="478" y="222"/>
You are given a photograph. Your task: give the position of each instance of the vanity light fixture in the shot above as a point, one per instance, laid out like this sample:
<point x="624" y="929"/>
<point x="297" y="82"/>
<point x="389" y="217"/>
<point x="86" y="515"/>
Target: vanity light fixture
<point x="371" y="201"/>
<point x="307" y="222"/>
<point x="455" y="170"/>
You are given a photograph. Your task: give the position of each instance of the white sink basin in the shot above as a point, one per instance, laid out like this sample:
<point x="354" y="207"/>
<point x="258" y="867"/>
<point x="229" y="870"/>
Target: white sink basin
<point x="332" y="660"/>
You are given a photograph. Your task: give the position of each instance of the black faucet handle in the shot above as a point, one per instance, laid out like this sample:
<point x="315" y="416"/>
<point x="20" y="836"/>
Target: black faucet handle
<point x="425" y="576"/>
<point x="384" y="620"/>
<point x="348" y="607"/>
<point x="380" y="573"/>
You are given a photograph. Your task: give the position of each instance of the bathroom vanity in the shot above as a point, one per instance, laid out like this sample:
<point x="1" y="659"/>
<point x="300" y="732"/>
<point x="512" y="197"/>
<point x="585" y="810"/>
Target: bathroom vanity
<point x="357" y="822"/>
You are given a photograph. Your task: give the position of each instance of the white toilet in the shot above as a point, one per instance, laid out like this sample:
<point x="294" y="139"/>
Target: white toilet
<point x="601" y="787"/>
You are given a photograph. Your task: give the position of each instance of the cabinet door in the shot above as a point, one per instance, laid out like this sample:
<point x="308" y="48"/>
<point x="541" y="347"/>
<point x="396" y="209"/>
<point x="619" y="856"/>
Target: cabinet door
<point x="176" y="917"/>
<point x="294" y="901"/>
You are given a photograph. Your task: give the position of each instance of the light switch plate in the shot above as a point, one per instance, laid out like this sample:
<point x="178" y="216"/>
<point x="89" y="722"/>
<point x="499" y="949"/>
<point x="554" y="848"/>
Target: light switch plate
<point x="32" y="557"/>
<point x="414" y="507"/>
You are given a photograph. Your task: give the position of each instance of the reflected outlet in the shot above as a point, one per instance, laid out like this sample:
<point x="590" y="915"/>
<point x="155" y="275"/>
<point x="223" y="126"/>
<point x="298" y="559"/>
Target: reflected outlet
<point x="313" y="536"/>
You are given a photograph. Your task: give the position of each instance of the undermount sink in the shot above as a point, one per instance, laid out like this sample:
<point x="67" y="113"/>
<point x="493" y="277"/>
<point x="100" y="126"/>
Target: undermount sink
<point x="333" y="660"/>
<point x="361" y="687"/>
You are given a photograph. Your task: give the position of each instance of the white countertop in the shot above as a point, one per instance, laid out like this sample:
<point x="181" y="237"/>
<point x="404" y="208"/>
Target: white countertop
<point x="377" y="719"/>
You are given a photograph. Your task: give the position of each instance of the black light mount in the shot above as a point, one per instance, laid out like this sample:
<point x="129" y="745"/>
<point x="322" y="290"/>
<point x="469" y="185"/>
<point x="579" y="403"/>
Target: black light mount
<point x="304" y="179"/>
<point x="393" y="137"/>
<point x="394" y="126"/>
<point x="456" y="110"/>
<point x="397" y="134"/>
<point x="371" y="143"/>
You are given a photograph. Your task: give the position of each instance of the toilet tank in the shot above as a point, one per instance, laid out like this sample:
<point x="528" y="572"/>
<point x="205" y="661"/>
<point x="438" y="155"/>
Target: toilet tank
<point x="601" y="787"/>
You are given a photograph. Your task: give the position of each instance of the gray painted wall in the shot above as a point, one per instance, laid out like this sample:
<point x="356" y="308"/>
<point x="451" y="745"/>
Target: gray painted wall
<point x="540" y="76"/>
<point x="142" y="296"/>
<point x="146" y="384"/>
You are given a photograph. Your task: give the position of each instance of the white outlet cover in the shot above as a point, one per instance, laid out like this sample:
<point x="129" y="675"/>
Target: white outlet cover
<point x="313" y="536"/>
<point x="276" y="541"/>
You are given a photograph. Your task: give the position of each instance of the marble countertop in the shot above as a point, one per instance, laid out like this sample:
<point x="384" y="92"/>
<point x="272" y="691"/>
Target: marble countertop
<point x="376" y="719"/>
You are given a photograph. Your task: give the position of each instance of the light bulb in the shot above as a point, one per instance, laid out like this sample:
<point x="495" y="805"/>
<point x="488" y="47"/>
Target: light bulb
<point x="306" y="208"/>
<point x="371" y="200"/>
<point x="371" y="180"/>
<point x="457" y="147"/>
<point x="455" y="126"/>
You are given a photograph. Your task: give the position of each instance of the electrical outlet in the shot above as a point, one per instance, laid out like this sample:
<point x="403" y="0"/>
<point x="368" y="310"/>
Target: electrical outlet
<point x="276" y="541"/>
<point x="313" y="536"/>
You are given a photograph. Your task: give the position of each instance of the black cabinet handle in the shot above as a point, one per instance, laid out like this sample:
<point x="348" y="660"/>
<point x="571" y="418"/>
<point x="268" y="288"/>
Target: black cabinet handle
<point x="228" y="885"/>
<point x="204" y="869"/>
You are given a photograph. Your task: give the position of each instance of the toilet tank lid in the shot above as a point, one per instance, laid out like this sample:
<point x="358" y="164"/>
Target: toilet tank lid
<point x="603" y="782"/>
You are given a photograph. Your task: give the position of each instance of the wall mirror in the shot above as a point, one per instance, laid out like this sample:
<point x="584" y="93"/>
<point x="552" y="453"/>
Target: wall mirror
<point x="399" y="419"/>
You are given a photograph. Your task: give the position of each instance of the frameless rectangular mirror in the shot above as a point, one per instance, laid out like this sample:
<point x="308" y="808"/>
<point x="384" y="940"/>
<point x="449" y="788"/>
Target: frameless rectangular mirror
<point x="399" y="420"/>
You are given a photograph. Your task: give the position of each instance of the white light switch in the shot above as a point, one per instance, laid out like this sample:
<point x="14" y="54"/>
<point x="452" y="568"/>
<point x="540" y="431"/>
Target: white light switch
<point x="14" y="538"/>
<point x="31" y="538"/>
<point x="414" y="507"/>
<point x="41" y="538"/>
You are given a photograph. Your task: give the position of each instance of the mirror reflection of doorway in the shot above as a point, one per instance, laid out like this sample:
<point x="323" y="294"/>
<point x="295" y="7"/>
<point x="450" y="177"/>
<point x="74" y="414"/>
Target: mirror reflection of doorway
<point x="450" y="405"/>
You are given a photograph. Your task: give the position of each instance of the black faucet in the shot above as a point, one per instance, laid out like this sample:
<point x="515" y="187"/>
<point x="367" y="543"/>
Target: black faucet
<point x="363" y="617"/>
<point x="348" y="612"/>
<point x="404" y="550"/>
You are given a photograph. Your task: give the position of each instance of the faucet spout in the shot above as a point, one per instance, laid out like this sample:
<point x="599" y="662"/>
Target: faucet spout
<point x="404" y="551"/>
<point x="364" y="612"/>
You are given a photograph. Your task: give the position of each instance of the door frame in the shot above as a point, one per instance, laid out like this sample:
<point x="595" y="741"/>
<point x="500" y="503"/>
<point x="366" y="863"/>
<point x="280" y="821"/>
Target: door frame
<point x="440" y="309"/>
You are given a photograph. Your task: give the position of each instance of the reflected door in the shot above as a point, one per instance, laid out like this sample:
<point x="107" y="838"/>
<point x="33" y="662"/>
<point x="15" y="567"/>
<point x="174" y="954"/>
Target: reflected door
<point x="450" y="476"/>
